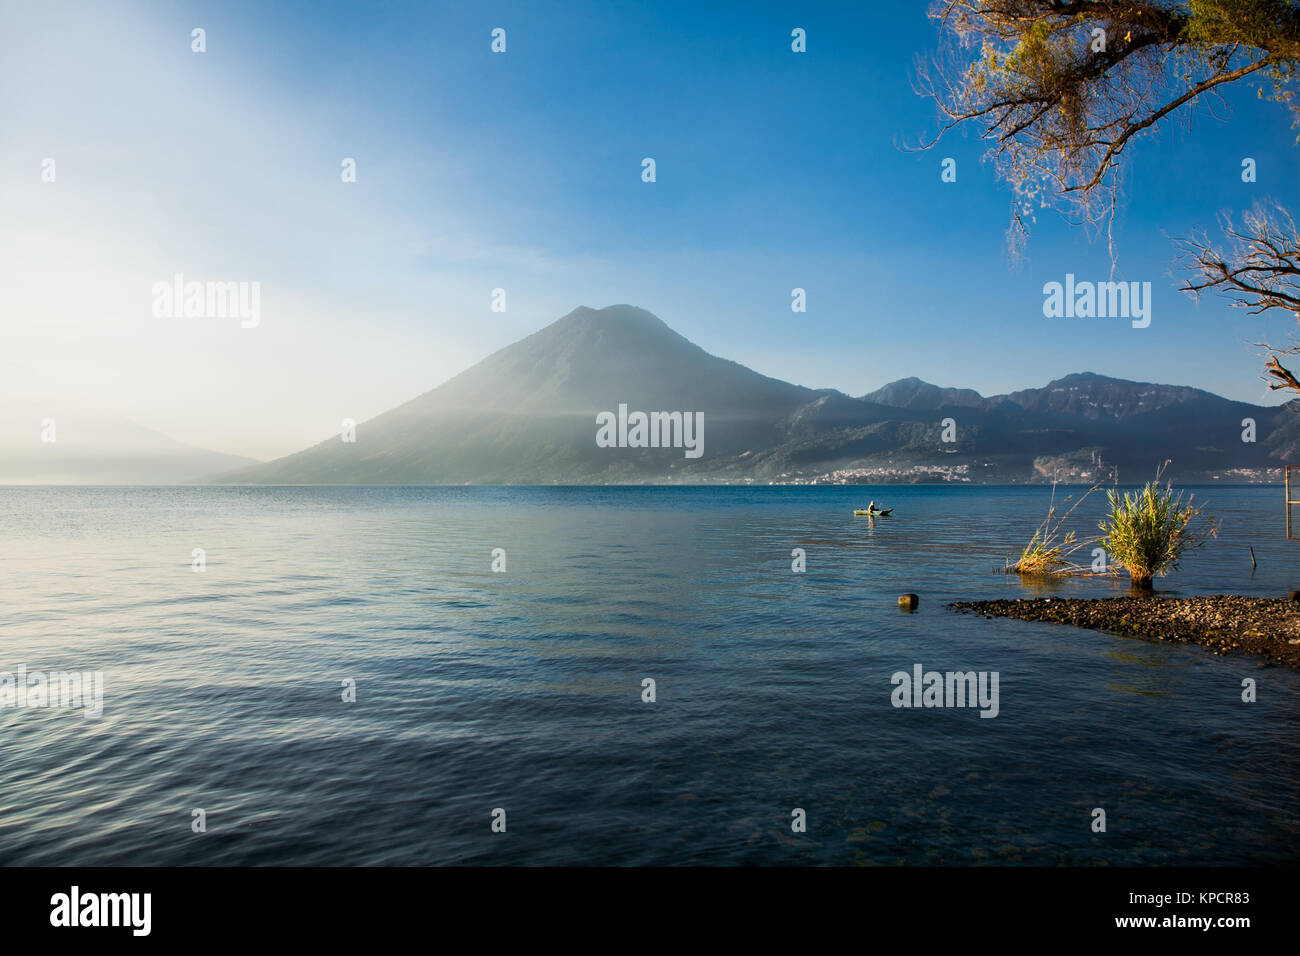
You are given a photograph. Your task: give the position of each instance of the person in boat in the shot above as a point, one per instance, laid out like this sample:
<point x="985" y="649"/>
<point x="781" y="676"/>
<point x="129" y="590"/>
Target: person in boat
<point x="872" y="506"/>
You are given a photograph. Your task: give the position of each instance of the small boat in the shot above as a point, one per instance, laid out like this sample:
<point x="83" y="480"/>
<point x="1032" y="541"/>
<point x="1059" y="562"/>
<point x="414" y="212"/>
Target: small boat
<point x="874" y="514"/>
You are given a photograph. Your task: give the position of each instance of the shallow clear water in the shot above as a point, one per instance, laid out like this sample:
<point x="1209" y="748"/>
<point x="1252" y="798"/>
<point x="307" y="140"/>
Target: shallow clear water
<point x="522" y="690"/>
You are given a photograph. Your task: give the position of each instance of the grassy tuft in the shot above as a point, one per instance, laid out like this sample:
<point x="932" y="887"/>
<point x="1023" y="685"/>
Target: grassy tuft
<point x="1041" y="558"/>
<point x="1050" y="550"/>
<point x="1148" y="531"/>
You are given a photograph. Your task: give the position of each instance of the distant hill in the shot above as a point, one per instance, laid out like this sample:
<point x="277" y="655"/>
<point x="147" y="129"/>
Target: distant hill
<point x="916" y="394"/>
<point x="527" y="414"/>
<point x="93" y="447"/>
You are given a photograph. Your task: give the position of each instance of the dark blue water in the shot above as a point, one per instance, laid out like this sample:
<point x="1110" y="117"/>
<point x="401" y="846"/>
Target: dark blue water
<point x="522" y="690"/>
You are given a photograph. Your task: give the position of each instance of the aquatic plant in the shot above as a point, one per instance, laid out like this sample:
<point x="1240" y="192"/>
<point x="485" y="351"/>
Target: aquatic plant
<point x="1042" y="557"/>
<point x="1049" y="551"/>
<point x="1148" y="531"/>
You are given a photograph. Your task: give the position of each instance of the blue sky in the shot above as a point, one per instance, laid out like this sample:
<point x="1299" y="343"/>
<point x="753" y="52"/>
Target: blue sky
<point x="522" y="171"/>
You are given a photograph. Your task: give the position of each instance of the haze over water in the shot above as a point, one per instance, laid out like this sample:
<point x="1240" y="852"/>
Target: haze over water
<point x="522" y="690"/>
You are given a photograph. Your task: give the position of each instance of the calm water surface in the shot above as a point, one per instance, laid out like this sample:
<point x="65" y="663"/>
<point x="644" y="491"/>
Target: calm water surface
<point x="522" y="690"/>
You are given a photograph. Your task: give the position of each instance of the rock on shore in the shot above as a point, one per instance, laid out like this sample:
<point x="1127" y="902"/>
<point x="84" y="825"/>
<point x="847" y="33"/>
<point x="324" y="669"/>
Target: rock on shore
<point x="1223" y="623"/>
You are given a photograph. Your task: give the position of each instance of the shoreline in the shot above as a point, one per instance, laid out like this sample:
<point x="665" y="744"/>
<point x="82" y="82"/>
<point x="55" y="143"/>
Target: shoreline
<point x="1224" y="624"/>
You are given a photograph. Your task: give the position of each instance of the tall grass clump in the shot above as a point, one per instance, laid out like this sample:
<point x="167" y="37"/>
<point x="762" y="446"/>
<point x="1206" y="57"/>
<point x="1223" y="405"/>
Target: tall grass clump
<point x="1148" y="531"/>
<point x="1045" y="554"/>
<point x="1050" y="550"/>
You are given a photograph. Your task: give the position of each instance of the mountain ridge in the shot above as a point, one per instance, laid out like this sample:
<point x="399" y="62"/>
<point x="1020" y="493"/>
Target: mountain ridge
<point x="527" y="414"/>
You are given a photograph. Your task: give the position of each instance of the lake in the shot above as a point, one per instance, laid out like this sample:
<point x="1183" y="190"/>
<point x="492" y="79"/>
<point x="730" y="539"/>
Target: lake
<point x="522" y="690"/>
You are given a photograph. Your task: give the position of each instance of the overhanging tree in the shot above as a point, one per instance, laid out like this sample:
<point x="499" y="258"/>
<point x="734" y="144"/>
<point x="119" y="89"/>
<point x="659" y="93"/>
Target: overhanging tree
<point x="1061" y="88"/>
